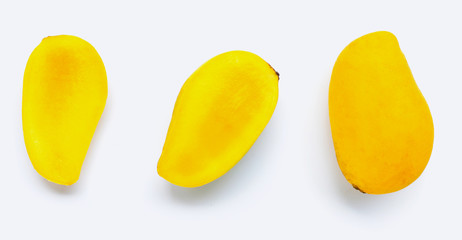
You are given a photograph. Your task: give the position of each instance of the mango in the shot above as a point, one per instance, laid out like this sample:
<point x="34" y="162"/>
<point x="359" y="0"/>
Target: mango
<point x="220" y="111"/>
<point x="64" y="94"/>
<point x="381" y="125"/>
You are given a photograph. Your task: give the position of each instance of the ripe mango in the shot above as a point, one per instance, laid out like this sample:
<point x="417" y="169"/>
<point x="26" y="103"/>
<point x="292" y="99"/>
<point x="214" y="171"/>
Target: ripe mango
<point x="220" y="111"/>
<point x="64" y="94"/>
<point x="381" y="124"/>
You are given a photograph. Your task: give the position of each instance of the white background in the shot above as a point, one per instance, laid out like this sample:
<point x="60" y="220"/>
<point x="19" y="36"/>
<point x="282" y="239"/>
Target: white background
<point x="289" y="185"/>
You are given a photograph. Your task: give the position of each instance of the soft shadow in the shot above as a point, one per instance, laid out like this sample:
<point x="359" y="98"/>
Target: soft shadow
<point x="95" y="141"/>
<point x="202" y="194"/>
<point x="240" y="176"/>
<point x="60" y="189"/>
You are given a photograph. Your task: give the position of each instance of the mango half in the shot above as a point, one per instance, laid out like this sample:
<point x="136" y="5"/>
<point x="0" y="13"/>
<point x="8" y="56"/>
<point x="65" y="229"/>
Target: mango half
<point x="64" y="94"/>
<point x="220" y="111"/>
<point x="381" y="125"/>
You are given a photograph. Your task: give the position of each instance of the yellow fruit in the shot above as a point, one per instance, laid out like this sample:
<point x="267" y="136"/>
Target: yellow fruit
<point x="220" y="111"/>
<point x="64" y="94"/>
<point x="381" y="124"/>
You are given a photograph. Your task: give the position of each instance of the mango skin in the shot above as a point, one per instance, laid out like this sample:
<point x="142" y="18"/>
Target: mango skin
<point x="64" y="94"/>
<point x="381" y="124"/>
<point x="220" y="111"/>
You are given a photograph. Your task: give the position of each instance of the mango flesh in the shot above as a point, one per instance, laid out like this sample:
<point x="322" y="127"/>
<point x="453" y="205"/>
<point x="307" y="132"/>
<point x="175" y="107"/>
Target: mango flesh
<point x="64" y="94"/>
<point x="381" y="125"/>
<point x="220" y="111"/>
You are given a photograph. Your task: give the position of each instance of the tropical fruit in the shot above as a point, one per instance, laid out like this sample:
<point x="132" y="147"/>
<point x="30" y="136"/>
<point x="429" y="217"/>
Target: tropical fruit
<point x="381" y="124"/>
<point x="64" y="94"/>
<point x="220" y="111"/>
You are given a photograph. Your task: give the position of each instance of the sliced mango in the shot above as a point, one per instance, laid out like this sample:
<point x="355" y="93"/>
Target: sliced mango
<point x="220" y="111"/>
<point x="381" y="124"/>
<point x="64" y="94"/>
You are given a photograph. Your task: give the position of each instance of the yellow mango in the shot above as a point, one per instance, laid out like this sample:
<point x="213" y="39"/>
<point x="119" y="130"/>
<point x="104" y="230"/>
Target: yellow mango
<point x="64" y="94"/>
<point x="381" y="124"/>
<point x="220" y="111"/>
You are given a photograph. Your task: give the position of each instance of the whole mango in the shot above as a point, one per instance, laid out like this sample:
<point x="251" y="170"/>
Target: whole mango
<point x="381" y="124"/>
